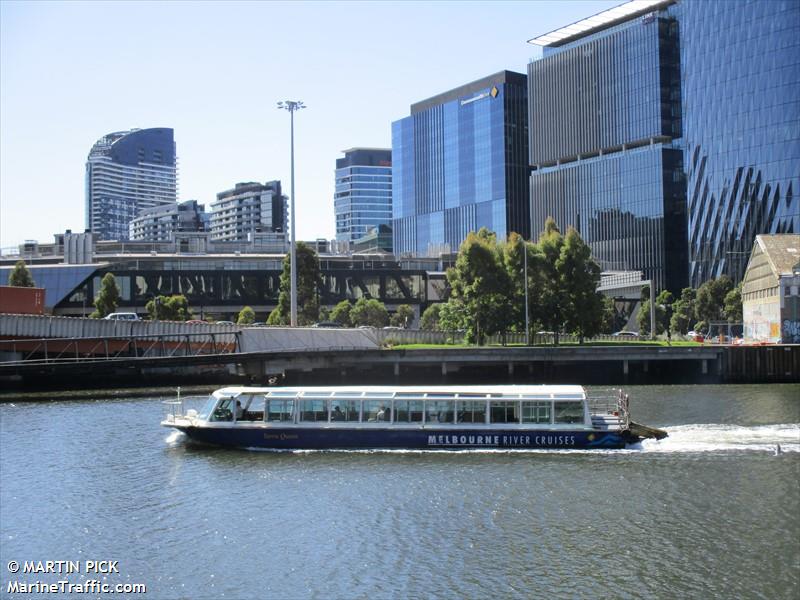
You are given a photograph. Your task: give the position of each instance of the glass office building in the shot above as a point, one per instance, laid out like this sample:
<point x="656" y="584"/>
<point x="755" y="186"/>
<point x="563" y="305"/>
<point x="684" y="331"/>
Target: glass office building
<point x="363" y="196"/>
<point x="127" y="172"/>
<point x="459" y="163"/>
<point x="741" y="95"/>
<point x="711" y="87"/>
<point x="604" y="120"/>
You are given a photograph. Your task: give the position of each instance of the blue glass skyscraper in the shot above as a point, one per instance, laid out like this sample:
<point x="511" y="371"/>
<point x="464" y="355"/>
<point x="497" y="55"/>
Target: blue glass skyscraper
<point x="668" y="133"/>
<point x="363" y="196"/>
<point x="127" y="172"/>
<point x="459" y="163"/>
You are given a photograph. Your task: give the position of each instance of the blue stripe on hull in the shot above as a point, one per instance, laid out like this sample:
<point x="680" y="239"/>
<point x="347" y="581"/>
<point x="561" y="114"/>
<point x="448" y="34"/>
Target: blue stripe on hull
<point x="406" y="439"/>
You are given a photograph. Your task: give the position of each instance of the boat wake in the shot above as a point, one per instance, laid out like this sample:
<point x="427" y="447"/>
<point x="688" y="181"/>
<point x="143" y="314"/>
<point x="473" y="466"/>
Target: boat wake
<point x="174" y="438"/>
<point x="774" y="439"/>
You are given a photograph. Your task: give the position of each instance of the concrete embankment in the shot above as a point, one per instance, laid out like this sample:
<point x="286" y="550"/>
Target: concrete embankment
<point x="608" y="365"/>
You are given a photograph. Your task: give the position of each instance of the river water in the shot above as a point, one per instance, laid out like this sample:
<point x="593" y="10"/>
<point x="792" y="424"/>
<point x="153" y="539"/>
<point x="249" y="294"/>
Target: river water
<point x="710" y="512"/>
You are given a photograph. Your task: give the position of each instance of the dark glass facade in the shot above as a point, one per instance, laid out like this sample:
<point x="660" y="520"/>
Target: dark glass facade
<point x="603" y="115"/>
<point x="741" y="95"/>
<point x="363" y="196"/>
<point x="717" y="80"/>
<point x="459" y="163"/>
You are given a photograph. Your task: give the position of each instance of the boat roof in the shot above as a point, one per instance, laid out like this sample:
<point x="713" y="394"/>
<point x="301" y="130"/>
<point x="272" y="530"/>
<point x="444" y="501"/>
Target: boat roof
<point x="538" y="390"/>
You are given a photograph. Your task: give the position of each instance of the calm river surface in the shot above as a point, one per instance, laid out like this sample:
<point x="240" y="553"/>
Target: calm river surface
<point x="710" y="512"/>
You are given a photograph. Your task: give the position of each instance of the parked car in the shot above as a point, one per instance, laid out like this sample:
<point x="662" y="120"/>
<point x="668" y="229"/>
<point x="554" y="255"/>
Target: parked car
<point x="123" y="316"/>
<point x="225" y="323"/>
<point x="328" y="324"/>
<point x="196" y="322"/>
<point x="625" y="334"/>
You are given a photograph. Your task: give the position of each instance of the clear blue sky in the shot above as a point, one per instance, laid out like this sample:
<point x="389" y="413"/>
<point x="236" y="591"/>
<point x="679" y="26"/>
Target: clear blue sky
<point x="71" y="72"/>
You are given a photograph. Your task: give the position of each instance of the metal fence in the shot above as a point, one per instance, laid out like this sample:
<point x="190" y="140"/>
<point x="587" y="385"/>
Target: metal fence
<point x="421" y="336"/>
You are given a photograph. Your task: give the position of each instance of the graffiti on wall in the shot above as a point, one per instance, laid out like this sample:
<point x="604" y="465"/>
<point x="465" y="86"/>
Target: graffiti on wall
<point x="791" y="332"/>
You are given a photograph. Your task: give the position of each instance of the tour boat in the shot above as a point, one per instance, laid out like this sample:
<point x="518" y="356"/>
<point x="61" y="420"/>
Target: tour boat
<point x="420" y="418"/>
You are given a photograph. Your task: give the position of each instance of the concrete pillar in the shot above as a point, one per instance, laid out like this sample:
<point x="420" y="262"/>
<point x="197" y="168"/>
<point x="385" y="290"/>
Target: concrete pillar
<point x="705" y="366"/>
<point x="625" y="366"/>
<point x="646" y="366"/>
<point x="511" y="368"/>
<point x="397" y="369"/>
<point x="444" y="368"/>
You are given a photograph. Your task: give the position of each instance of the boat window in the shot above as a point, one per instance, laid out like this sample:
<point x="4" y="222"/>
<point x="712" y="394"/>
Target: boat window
<point x="536" y="412"/>
<point x="408" y="395"/>
<point x="282" y="394"/>
<point x="569" y="397"/>
<point x="279" y="409"/>
<point x="313" y="410"/>
<point x="568" y="412"/>
<point x="347" y="394"/>
<point x="316" y="396"/>
<point x="223" y="411"/>
<point x="471" y="411"/>
<point x="344" y="410"/>
<point x="472" y="395"/>
<point x="376" y="410"/>
<point x="439" y="411"/>
<point x="440" y="395"/>
<point x="408" y="411"/>
<point x="207" y="408"/>
<point x="252" y="408"/>
<point x="504" y="411"/>
<point x="379" y="394"/>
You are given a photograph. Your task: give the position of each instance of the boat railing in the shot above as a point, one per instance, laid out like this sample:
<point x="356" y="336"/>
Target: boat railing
<point x="176" y="407"/>
<point x="611" y="406"/>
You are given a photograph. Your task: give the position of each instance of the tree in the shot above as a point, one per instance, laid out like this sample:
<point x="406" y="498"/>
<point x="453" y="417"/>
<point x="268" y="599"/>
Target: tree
<point x="107" y="298"/>
<point x="370" y="312"/>
<point x="169" y="308"/>
<point x="579" y="275"/>
<point x="711" y="298"/>
<point x="404" y="317"/>
<point x="609" y="321"/>
<point x="481" y="285"/>
<point x="309" y="280"/>
<point x="733" y="305"/>
<point x="20" y="276"/>
<point x="341" y="313"/>
<point x="453" y="316"/>
<point x="684" y="314"/>
<point x="247" y="316"/>
<point x="431" y="317"/>
<point x="552" y="300"/>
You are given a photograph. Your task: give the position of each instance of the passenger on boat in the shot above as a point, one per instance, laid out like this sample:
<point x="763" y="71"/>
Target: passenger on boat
<point x="337" y="414"/>
<point x="381" y="416"/>
<point x="239" y="411"/>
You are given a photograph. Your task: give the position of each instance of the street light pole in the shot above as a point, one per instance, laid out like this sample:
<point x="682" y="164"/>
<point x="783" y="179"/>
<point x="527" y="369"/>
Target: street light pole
<point x="525" y="283"/>
<point x="291" y="106"/>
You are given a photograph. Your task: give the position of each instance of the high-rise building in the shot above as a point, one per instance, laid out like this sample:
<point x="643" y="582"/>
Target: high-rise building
<point x="161" y="223"/>
<point x="459" y="163"/>
<point x="249" y="210"/>
<point x="363" y="196"/>
<point x="127" y="172"/>
<point x="666" y="132"/>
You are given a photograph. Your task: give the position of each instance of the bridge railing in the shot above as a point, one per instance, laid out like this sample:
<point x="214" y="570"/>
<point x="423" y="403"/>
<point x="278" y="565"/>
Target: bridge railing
<point x="49" y="350"/>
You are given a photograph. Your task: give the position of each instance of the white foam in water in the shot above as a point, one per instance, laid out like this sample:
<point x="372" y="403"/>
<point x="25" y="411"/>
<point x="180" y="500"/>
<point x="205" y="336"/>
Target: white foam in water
<point x="174" y="437"/>
<point x="726" y="438"/>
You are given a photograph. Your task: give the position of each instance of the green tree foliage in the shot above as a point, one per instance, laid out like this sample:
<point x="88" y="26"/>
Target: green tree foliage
<point x="20" y="276"/>
<point x="169" y="308"/>
<point x="404" y="317"/>
<point x="431" y="317"/>
<point x="246" y="316"/>
<point x="664" y="302"/>
<point x="341" y="313"/>
<point x="513" y="255"/>
<point x="107" y="298"/>
<point x="552" y="296"/>
<point x="309" y="280"/>
<point x="711" y="298"/>
<point x="579" y="276"/>
<point x="480" y="284"/>
<point x="370" y="312"/>
<point x="733" y="305"/>
<point x="684" y="313"/>
<point x="609" y="320"/>
<point x="452" y="316"/>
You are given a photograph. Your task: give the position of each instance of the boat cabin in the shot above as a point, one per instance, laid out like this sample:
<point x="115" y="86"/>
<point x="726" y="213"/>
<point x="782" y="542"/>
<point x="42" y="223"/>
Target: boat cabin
<point x="379" y="406"/>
